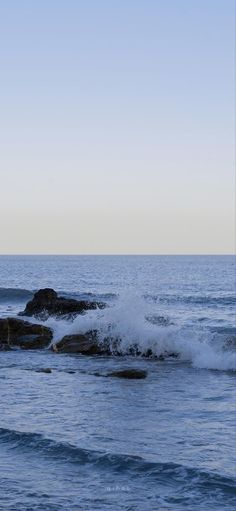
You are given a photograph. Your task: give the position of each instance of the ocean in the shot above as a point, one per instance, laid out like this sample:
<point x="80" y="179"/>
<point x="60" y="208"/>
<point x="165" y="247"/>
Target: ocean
<point x="71" y="440"/>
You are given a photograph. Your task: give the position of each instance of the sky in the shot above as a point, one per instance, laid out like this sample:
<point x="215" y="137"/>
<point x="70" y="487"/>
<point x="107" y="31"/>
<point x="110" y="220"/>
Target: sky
<point x="117" y="127"/>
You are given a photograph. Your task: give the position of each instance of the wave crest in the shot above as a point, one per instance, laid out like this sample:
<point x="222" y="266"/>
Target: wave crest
<point x="14" y="294"/>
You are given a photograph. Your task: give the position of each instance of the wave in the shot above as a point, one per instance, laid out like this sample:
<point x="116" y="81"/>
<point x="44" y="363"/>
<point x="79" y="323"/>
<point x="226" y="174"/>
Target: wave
<point x="225" y="300"/>
<point x="69" y="453"/>
<point x="21" y="294"/>
<point x="137" y="327"/>
<point x="14" y="294"/>
<point x="88" y="295"/>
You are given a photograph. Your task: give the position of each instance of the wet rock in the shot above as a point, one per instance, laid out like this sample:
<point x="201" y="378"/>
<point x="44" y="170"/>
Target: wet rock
<point x="89" y="344"/>
<point x="46" y="370"/>
<point x="4" y="347"/>
<point x="46" y="301"/>
<point x="131" y="374"/>
<point x="230" y="343"/>
<point x="114" y="346"/>
<point x="86" y="344"/>
<point x="17" y="333"/>
<point x="154" y="319"/>
<point x="163" y="356"/>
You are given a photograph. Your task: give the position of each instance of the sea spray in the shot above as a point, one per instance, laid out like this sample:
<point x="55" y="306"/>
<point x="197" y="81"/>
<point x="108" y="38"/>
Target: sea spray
<point x="129" y="320"/>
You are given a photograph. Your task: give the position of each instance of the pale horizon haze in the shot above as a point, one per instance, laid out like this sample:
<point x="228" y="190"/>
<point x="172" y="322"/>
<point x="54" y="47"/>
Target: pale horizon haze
<point x="117" y="127"/>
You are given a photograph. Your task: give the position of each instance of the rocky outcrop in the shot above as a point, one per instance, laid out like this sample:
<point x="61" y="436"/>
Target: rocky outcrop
<point x="17" y="333"/>
<point x="86" y="344"/>
<point x="131" y="374"/>
<point x="46" y="301"/>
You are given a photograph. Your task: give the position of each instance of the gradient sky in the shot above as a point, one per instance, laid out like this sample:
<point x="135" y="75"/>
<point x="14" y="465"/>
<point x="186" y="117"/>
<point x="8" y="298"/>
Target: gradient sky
<point x="117" y="126"/>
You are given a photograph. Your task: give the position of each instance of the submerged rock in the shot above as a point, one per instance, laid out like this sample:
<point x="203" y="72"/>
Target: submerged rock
<point x="46" y="370"/>
<point x="18" y="333"/>
<point x="230" y="343"/>
<point x="155" y="319"/>
<point x="86" y="344"/>
<point x="47" y="301"/>
<point x="130" y="374"/>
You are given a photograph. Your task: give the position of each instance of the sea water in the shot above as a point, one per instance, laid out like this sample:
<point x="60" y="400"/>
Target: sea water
<point x="71" y="440"/>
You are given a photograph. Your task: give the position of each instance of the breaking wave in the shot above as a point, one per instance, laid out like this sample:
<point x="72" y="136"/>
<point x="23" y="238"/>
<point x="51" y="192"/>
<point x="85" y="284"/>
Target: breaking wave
<point x="135" y="323"/>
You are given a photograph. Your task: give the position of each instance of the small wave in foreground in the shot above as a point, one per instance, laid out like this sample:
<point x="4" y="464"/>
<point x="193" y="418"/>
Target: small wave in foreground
<point x="118" y="463"/>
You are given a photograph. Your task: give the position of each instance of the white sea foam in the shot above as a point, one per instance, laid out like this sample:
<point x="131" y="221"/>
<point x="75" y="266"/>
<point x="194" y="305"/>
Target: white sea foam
<point x="126" y="319"/>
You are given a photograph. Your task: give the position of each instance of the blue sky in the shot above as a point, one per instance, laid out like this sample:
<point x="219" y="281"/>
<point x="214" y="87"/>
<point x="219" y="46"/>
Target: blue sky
<point x="117" y="126"/>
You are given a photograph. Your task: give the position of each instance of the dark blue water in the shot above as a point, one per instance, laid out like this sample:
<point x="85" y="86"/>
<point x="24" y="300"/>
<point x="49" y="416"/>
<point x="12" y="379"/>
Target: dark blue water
<point x="73" y="440"/>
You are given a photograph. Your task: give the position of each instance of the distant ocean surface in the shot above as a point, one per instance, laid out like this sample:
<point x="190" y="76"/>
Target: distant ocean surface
<point x="71" y="440"/>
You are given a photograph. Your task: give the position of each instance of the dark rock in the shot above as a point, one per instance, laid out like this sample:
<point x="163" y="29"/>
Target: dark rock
<point x="130" y="374"/>
<point x="147" y="354"/>
<point x="154" y="319"/>
<point x="86" y="344"/>
<point x="17" y="333"/>
<point x="171" y="354"/>
<point x="163" y="356"/>
<point x="4" y="347"/>
<point x="46" y="370"/>
<point x="230" y="343"/>
<point x="47" y="301"/>
<point x="113" y="345"/>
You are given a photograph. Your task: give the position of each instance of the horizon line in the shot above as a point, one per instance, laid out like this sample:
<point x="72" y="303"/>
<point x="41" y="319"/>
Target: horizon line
<point x="33" y="254"/>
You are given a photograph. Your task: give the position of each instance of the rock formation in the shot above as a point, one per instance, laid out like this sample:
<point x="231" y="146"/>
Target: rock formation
<point x="46" y="301"/>
<point x="17" y="333"/>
